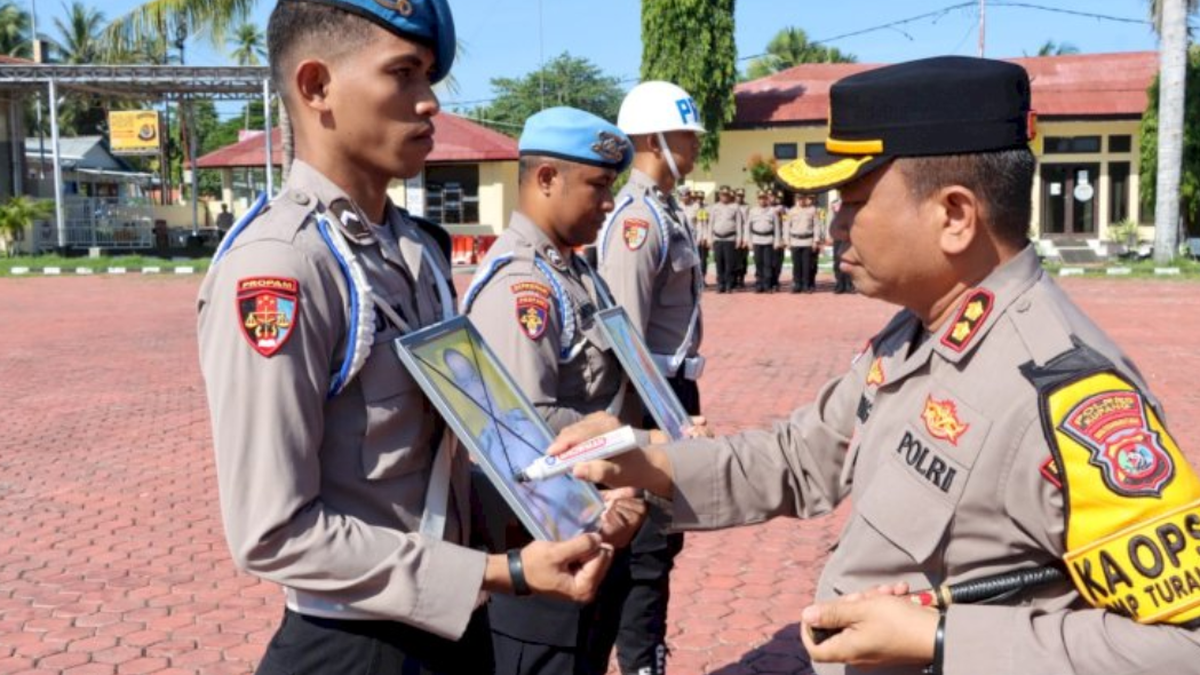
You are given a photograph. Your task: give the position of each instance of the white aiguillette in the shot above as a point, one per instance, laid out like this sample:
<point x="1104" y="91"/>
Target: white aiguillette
<point x="601" y="447"/>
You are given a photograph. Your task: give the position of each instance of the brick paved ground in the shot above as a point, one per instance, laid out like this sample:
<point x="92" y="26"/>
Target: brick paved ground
<point x="111" y="553"/>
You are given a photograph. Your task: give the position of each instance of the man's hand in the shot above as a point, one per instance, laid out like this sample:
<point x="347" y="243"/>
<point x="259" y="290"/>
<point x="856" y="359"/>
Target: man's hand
<point x="624" y="515"/>
<point x="587" y="428"/>
<point x="648" y="469"/>
<point x="567" y="570"/>
<point x="877" y="628"/>
<point x="699" y="428"/>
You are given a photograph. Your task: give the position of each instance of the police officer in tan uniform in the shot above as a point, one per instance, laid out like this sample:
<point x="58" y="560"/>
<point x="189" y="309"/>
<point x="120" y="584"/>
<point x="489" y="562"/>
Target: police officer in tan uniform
<point x="649" y="259"/>
<point x="697" y="218"/>
<point x="763" y="233"/>
<point x="725" y="226"/>
<point x="803" y="233"/>
<point x="534" y="302"/>
<point x="990" y="427"/>
<point x="741" y="264"/>
<point x="337" y="481"/>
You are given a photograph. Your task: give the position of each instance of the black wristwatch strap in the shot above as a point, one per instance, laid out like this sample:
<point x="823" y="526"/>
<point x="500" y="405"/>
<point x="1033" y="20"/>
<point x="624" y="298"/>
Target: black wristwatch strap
<point x="939" y="647"/>
<point x="516" y="571"/>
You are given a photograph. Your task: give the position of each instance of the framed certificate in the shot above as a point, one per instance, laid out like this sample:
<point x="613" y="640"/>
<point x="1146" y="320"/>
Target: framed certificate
<point x="634" y="355"/>
<point x="498" y="425"/>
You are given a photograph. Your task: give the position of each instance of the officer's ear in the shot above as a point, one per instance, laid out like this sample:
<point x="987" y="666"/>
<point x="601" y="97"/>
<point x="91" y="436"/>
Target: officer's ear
<point x="310" y="80"/>
<point x="958" y="211"/>
<point x="545" y="175"/>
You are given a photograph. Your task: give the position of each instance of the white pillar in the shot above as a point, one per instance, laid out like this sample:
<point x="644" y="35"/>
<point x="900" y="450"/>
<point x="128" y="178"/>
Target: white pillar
<point x="58" y="182"/>
<point x="267" y="125"/>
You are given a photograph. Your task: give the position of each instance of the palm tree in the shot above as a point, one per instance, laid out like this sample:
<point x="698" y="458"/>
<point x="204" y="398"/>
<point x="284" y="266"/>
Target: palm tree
<point x="791" y="47"/>
<point x="1052" y="48"/>
<point x="14" y="30"/>
<point x="79" y="36"/>
<point x="249" y="45"/>
<point x="213" y="18"/>
<point x="1170" y="22"/>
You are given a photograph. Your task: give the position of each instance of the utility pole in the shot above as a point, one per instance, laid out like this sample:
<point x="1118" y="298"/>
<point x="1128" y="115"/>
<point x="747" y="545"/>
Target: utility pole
<point x="982" y="25"/>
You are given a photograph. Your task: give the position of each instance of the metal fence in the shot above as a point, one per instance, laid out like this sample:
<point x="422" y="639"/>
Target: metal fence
<point x="100" y="222"/>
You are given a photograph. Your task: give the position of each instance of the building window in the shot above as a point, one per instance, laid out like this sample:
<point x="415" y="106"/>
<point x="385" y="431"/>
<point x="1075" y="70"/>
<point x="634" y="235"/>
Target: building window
<point x="1062" y="145"/>
<point x="786" y="151"/>
<point x="452" y="194"/>
<point x="1118" y="191"/>
<point x="1122" y="143"/>
<point x="812" y="150"/>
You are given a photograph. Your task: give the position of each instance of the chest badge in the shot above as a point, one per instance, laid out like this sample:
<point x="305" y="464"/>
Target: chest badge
<point x="942" y="421"/>
<point x="267" y="309"/>
<point x="533" y="313"/>
<point x="635" y="232"/>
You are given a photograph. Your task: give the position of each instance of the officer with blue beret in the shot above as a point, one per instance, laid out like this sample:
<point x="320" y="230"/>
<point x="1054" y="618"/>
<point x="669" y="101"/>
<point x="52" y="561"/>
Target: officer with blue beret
<point x="337" y="480"/>
<point x="534" y="300"/>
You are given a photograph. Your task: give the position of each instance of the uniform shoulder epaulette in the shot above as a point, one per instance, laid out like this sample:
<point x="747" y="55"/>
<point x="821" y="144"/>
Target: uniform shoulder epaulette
<point x="439" y="234"/>
<point x="1132" y="501"/>
<point x="284" y="210"/>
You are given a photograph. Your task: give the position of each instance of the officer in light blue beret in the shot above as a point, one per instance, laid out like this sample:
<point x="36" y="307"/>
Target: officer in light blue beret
<point x="534" y="299"/>
<point x="338" y="481"/>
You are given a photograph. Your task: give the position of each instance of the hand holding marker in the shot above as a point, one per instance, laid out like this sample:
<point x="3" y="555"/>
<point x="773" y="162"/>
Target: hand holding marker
<point x="601" y="447"/>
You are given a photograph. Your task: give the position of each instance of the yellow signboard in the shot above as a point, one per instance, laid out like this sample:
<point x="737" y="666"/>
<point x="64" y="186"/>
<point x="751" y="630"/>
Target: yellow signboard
<point x="133" y="132"/>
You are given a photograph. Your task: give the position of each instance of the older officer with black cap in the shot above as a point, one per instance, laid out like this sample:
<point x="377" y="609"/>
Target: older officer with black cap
<point x="989" y="428"/>
<point x="337" y="481"/>
<point x="534" y="301"/>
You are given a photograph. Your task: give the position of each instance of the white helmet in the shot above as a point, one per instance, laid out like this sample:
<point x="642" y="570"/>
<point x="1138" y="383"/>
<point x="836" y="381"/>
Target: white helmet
<point x="655" y="107"/>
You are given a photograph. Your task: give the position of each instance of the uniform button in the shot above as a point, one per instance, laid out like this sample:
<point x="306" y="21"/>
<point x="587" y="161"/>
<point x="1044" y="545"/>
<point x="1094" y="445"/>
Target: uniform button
<point x="299" y="197"/>
<point x="1023" y="305"/>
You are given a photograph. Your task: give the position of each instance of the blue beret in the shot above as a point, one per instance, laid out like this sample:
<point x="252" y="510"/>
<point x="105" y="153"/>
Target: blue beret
<point x="428" y="22"/>
<point x="576" y="136"/>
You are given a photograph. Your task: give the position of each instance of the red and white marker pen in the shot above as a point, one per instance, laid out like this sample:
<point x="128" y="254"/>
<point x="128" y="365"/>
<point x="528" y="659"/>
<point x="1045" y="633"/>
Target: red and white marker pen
<point x="601" y="447"/>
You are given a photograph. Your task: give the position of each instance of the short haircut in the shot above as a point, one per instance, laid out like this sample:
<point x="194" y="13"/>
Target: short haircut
<point x="1002" y="179"/>
<point x="529" y="163"/>
<point x="314" y="30"/>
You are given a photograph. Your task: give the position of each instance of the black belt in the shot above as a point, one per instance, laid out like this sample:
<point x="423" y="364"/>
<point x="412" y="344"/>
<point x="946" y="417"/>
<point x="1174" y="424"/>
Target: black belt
<point x="763" y="234"/>
<point x="724" y="237"/>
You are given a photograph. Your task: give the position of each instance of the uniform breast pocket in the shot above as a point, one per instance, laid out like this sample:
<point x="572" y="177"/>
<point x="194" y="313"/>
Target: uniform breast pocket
<point x="399" y="425"/>
<point x="904" y="512"/>
<point x="683" y="255"/>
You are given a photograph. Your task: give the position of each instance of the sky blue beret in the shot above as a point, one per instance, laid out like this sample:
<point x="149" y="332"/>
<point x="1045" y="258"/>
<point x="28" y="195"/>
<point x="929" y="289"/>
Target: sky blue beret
<point x="428" y="22"/>
<point x="576" y="136"/>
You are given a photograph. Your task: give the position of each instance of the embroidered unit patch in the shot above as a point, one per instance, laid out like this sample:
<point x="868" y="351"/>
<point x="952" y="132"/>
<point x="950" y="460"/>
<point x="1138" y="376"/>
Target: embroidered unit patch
<point x="267" y="310"/>
<point x="941" y="420"/>
<point x="533" y="314"/>
<point x="635" y="232"/>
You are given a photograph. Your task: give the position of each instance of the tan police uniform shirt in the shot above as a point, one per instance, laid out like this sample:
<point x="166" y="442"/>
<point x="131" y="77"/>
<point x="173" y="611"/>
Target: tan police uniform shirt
<point x="763" y="227"/>
<point x="324" y="495"/>
<point x="649" y="260"/>
<point x="562" y="363"/>
<point x="939" y="443"/>
<point x="802" y="226"/>
<point x="725" y="222"/>
<point x="691" y="213"/>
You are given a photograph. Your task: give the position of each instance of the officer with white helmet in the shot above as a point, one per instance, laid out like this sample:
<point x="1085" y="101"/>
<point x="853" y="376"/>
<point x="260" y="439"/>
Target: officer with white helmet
<point x="649" y="259"/>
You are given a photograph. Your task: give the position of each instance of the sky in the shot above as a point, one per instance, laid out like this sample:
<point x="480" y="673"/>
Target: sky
<point x="506" y="38"/>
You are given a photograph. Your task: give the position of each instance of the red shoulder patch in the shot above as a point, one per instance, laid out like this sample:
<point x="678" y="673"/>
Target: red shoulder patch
<point x="635" y="232"/>
<point x="268" y="308"/>
<point x="971" y="316"/>
<point x="530" y="287"/>
<point x="533" y="315"/>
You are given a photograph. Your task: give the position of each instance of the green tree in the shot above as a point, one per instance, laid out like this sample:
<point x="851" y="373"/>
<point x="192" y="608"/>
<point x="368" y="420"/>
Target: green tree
<point x="791" y="47"/>
<point x="158" y="18"/>
<point x="17" y="215"/>
<point x="14" y="30"/>
<point x="1052" y="48"/>
<point x="79" y="39"/>
<point x="1189" y="181"/>
<point x="249" y="45"/>
<point x="565" y="80"/>
<point x="691" y="43"/>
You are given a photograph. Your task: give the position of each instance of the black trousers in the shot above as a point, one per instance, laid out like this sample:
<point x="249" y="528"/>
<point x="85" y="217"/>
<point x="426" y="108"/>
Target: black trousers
<point x="740" y="265"/>
<point x="306" y="645"/>
<point x="804" y="263"/>
<point x="703" y="250"/>
<point x="644" y="579"/>
<point x="842" y="283"/>
<point x="764" y="266"/>
<point x="725" y="252"/>
<point x="776" y="266"/>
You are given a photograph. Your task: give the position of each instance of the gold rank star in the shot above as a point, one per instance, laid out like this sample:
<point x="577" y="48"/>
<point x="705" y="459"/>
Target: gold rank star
<point x="974" y="311"/>
<point x="961" y="330"/>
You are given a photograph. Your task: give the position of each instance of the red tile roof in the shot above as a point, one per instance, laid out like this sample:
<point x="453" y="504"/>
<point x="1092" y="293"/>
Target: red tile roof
<point x="455" y="140"/>
<point x="1079" y="85"/>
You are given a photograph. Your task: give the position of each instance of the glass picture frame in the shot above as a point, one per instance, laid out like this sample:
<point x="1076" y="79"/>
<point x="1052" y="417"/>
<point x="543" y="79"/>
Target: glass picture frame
<point x="656" y="393"/>
<point x="498" y="425"/>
